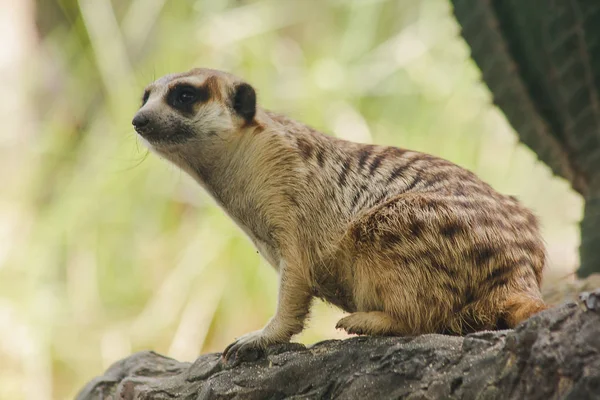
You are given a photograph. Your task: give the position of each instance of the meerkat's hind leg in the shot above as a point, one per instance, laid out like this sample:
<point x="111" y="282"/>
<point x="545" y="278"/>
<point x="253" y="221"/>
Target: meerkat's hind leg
<point x="374" y="323"/>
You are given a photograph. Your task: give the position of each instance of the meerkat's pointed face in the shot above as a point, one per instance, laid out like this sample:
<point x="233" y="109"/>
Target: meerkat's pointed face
<point x="194" y="107"/>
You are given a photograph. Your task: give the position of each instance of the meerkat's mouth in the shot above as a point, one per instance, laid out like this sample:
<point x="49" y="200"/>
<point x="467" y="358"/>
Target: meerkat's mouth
<point x="156" y="138"/>
<point x="167" y="135"/>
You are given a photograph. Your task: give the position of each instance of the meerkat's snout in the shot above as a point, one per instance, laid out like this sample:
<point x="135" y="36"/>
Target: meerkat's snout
<point x="161" y="128"/>
<point x="149" y="126"/>
<point x="140" y="122"/>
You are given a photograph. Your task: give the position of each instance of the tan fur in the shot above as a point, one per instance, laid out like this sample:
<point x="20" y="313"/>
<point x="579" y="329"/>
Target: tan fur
<point x="406" y="242"/>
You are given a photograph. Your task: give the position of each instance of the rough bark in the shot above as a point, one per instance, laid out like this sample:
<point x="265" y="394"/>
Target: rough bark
<point x="555" y="354"/>
<point x="541" y="61"/>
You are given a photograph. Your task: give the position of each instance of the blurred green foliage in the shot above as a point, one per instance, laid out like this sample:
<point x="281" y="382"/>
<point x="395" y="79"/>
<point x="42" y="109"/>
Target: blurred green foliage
<point x="109" y="250"/>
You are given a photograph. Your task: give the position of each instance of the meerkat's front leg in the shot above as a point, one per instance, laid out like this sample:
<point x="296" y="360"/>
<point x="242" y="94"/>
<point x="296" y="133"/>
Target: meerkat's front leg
<point x="292" y="308"/>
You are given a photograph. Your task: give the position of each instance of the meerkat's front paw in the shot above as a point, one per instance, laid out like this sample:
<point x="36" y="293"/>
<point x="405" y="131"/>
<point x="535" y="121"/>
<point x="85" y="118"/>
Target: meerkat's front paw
<point x="249" y="347"/>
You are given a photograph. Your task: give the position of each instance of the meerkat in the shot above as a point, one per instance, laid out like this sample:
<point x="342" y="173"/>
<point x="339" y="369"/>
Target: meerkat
<point x="405" y="242"/>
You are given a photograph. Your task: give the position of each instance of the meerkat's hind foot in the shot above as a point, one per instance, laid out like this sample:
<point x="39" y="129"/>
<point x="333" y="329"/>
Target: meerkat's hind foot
<point x="374" y="323"/>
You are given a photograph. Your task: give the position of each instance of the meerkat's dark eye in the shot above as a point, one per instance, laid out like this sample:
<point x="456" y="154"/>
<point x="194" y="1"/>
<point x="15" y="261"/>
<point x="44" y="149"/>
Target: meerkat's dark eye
<point x="145" y="97"/>
<point x="186" y="96"/>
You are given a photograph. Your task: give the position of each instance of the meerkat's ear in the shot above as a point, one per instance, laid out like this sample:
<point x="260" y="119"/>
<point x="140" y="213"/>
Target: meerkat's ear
<point x="244" y="101"/>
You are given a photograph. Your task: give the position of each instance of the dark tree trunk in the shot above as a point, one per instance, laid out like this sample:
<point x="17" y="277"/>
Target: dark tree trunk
<point x="541" y="61"/>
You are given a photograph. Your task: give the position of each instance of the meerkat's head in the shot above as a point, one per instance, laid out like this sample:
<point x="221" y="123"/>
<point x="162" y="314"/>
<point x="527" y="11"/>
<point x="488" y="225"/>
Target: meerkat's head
<point x="194" y="110"/>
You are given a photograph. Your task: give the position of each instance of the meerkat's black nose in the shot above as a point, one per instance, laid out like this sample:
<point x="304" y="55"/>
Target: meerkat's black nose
<point x="140" y="121"/>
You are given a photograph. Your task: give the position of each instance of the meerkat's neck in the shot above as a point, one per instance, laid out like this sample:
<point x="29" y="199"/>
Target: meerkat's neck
<point x="249" y="174"/>
<point x="278" y="175"/>
<point x="283" y="192"/>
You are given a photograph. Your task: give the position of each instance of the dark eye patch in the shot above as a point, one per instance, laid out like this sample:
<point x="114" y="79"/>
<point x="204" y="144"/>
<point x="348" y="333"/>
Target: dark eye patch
<point x="183" y="97"/>
<point x="145" y="96"/>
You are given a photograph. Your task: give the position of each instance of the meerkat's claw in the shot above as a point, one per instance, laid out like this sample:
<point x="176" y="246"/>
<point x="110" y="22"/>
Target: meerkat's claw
<point x="248" y="347"/>
<point x="348" y="324"/>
